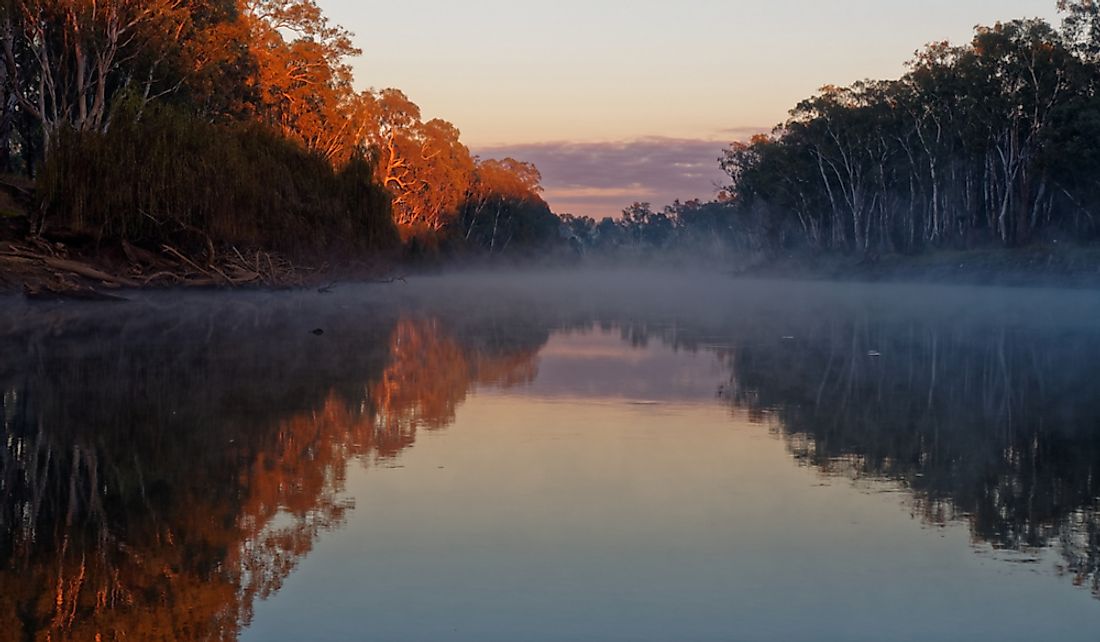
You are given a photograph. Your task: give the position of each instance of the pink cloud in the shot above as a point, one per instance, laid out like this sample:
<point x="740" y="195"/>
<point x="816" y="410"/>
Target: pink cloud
<point x="600" y="179"/>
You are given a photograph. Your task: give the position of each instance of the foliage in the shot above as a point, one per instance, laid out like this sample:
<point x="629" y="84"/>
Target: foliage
<point x="238" y="183"/>
<point x="686" y="231"/>
<point x="987" y="142"/>
<point x="261" y="127"/>
<point x="504" y="209"/>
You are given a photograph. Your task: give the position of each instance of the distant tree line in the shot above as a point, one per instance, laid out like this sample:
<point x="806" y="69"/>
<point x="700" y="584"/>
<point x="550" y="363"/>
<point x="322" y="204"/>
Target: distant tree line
<point x="238" y="117"/>
<point x="709" y="229"/>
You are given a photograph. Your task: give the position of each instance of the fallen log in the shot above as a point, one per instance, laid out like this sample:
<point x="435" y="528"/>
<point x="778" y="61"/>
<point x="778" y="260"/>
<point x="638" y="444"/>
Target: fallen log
<point x="168" y="249"/>
<point x="87" y="271"/>
<point x="72" y="267"/>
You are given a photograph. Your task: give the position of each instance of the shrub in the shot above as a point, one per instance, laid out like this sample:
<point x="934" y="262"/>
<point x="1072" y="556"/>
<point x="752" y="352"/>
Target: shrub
<point x="168" y="173"/>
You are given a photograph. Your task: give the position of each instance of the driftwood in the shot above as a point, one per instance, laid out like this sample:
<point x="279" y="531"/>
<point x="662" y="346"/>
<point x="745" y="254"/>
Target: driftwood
<point x="48" y="269"/>
<point x="168" y="249"/>
<point x="87" y="271"/>
<point x="79" y="267"/>
<point x="66" y="265"/>
<point x="16" y="260"/>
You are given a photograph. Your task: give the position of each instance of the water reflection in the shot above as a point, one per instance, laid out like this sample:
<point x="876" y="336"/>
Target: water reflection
<point x="989" y="422"/>
<point x="162" y="472"/>
<point x="430" y="372"/>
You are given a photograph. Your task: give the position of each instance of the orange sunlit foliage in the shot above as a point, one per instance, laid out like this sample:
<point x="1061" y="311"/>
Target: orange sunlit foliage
<point x="504" y="206"/>
<point x="90" y="68"/>
<point x="304" y="89"/>
<point x="424" y="164"/>
<point x="303" y="84"/>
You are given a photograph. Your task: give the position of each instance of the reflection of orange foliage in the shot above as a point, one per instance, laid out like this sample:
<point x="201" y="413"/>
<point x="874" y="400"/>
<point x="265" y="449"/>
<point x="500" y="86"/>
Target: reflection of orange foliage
<point x="430" y="374"/>
<point x="505" y="371"/>
<point x="235" y="521"/>
<point x="427" y="378"/>
<point x="195" y="570"/>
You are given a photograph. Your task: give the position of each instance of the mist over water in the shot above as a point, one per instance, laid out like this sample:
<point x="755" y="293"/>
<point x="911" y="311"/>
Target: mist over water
<point x="616" y="454"/>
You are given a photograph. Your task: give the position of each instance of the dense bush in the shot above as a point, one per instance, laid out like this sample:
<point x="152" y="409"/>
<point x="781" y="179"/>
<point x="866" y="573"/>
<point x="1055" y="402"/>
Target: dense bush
<point x="168" y="173"/>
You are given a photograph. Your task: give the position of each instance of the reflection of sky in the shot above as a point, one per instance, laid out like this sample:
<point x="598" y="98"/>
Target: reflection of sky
<point x="597" y="365"/>
<point x="540" y="515"/>
<point x="510" y="73"/>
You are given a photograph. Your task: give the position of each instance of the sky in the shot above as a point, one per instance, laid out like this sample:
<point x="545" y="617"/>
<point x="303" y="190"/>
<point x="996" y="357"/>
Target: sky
<point x="619" y="101"/>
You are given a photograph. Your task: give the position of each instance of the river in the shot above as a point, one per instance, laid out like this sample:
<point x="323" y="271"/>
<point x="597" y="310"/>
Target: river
<point x="619" y="455"/>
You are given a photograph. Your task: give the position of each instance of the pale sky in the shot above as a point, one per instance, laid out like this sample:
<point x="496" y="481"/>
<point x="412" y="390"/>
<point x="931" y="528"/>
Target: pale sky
<point x="568" y="80"/>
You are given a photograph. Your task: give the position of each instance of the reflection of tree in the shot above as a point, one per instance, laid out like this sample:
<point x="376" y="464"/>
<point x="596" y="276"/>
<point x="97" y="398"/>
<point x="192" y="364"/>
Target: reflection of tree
<point x="994" y="424"/>
<point x="100" y="546"/>
<point x="426" y="379"/>
<point x="162" y="471"/>
<point x="430" y="373"/>
<point x="985" y="407"/>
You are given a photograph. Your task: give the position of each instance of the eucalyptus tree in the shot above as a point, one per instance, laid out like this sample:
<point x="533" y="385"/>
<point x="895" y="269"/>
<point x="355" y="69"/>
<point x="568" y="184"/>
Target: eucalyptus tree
<point x="423" y="163"/>
<point x="302" y="77"/>
<point x="1081" y="26"/>
<point x="1024" y="68"/>
<point x="989" y="141"/>
<point x="504" y="206"/>
<point x="65" y="61"/>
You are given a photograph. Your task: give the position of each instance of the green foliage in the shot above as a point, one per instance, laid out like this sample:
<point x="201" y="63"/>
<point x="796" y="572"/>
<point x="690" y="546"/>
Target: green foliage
<point x="237" y="183"/>
<point x="692" y="231"/>
<point x="991" y="142"/>
<point x="503" y="210"/>
<point x="505" y="223"/>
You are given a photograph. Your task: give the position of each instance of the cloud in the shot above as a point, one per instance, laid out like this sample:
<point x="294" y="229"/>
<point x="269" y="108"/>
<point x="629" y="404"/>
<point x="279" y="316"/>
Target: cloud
<point x="601" y="178"/>
<point x="634" y="191"/>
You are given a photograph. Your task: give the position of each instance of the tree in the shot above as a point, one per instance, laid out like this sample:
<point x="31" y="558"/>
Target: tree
<point x="504" y="206"/>
<point x="424" y="164"/>
<point x="246" y="68"/>
<point x="1081" y="26"/>
<point x="66" y="61"/>
<point x="304" y="83"/>
<point x="969" y="146"/>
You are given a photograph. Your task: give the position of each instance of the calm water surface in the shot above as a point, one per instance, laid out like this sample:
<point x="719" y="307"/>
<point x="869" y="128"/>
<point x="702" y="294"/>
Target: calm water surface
<point x="621" y="456"/>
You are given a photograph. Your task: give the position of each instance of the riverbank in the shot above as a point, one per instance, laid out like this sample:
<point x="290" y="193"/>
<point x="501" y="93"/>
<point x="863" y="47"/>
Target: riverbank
<point x="1034" y="266"/>
<point x="61" y="265"/>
